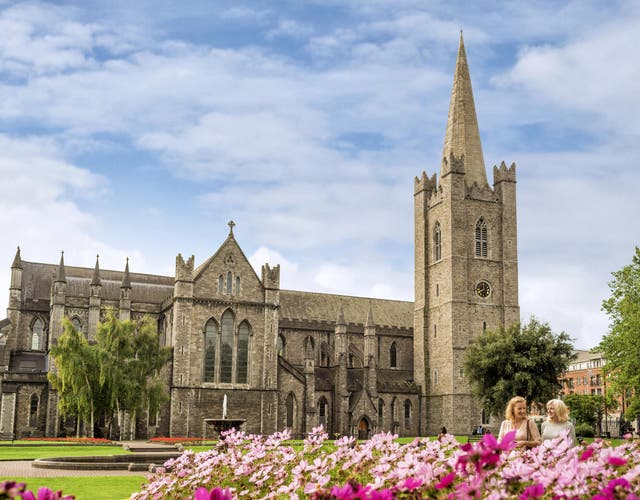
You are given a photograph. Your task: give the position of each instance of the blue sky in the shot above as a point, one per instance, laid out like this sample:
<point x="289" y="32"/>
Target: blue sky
<point x="141" y="128"/>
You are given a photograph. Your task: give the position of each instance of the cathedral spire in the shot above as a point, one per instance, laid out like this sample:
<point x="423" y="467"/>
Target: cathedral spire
<point x="126" y="281"/>
<point x="96" y="273"/>
<point x="61" y="274"/>
<point x="462" y="137"/>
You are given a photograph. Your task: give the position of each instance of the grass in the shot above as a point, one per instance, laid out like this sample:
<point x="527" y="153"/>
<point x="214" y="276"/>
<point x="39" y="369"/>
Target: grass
<point x="48" y="451"/>
<point x="87" y="487"/>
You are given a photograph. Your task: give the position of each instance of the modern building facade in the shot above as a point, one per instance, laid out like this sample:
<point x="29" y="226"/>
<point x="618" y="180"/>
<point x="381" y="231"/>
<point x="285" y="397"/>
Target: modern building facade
<point x="296" y="359"/>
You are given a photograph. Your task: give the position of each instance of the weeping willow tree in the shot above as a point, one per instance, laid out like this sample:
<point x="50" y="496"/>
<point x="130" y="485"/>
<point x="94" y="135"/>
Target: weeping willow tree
<point x="130" y="359"/>
<point x="118" y="375"/>
<point x="74" y="377"/>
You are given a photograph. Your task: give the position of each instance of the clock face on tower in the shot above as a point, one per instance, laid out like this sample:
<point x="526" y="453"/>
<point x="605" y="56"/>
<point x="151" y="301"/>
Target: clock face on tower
<point x="483" y="289"/>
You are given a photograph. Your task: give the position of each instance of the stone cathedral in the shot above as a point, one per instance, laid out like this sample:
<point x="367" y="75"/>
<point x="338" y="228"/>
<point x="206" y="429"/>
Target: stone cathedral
<point x="296" y="359"/>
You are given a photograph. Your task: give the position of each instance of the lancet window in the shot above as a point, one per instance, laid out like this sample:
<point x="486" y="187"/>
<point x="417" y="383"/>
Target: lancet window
<point x="37" y="334"/>
<point x="437" y="242"/>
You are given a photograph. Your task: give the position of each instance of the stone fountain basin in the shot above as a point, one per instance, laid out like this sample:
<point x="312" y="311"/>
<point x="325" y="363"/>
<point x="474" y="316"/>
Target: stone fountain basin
<point x="137" y="461"/>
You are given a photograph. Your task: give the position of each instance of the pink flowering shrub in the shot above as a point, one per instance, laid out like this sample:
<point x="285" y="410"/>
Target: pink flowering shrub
<point x="11" y="489"/>
<point x="248" y="466"/>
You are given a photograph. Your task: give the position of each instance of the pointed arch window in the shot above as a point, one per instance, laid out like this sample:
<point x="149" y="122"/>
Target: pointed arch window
<point x="482" y="238"/>
<point x="322" y="412"/>
<point x="33" y="411"/>
<point x="380" y="413"/>
<point x="407" y="414"/>
<point x="37" y="334"/>
<point x="75" y="321"/>
<point x="281" y="346"/>
<point x="226" y="347"/>
<point x="210" y="341"/>
<point x="220" y="284"/>
<point x="393" y="356"/>
<point x="229" y="283"/>
<point x="237" y="285"/>
<point x="437" y="242"/>
<point x="291" y="409"/>
<point x="242" y="358"/>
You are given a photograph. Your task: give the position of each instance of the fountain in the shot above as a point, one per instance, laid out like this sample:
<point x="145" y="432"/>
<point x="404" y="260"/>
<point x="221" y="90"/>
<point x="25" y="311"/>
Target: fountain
<point x="223" y="424"/>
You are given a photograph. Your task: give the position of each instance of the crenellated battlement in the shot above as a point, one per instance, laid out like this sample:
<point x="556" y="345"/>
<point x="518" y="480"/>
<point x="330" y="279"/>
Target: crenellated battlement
<point x="271" y="276"/>
<point x="424" y="183"/>
<point x="484" y="193"/>
<point x="184" y="270"/>
<point x="452" y="165"/>
<point x="504" y="173"/>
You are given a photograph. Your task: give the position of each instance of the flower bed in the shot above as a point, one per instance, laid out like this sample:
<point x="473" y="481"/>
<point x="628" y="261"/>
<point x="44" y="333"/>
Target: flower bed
<point x="181" y="440"/>
<point x="74" y="440"/>
<point x="380" y="468"/>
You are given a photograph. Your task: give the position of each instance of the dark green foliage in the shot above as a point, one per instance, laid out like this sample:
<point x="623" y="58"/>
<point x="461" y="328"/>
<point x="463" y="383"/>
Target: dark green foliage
<point x="521" y="360"/>
<point x="621" y="346"/>
<point x="584" y="430"/>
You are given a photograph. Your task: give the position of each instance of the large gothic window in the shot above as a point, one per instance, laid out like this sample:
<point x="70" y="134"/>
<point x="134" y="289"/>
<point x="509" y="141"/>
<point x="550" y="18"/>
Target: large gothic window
<point x="210" y="340"/>
<point x="482" y="238"/>
<point x="437" y="242"/>
<point x="226" y="347"/>
<point x="37" y="334"/>
<point x="393" y="356"/>
<point x="242" y="355"/>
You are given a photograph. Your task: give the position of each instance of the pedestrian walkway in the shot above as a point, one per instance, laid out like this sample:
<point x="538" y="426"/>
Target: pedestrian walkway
<point x="23" y="468"/>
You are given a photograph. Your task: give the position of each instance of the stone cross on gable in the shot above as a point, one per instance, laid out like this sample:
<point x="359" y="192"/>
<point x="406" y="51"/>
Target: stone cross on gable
<point x="231" y="224"/>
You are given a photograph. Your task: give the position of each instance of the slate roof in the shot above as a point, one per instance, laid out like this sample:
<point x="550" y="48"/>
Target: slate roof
<point x="37" y="278"/>
<point x="324" y="307"/>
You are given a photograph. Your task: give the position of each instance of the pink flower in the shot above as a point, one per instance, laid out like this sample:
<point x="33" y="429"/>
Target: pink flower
<point x="45" y="493"/>
<point x="446" y="481"/>
<point x="410" y="483"/>
<point x="215" y="494"/>
<point x="586" y="454"/>
<point x="617" y="461"/>
<point x="533" y="491"/>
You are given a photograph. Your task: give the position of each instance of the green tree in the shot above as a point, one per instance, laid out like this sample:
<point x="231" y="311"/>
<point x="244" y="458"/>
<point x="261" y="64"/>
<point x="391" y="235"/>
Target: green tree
<point x="620" y="345"/>
<point x="130" y="359"/>
<point x="74" y="377"/>
<point x="584" y="408"/>
<point x="520" y="360"/>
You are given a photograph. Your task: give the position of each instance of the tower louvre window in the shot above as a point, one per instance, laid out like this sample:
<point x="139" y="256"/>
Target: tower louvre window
<point x="437" y="242"/>
<point x="482" y="238"/>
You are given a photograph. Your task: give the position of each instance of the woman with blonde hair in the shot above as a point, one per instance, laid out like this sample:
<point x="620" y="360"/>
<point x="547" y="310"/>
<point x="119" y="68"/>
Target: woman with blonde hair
<point x="527" y="434"/>
<point x="557" y="422"/>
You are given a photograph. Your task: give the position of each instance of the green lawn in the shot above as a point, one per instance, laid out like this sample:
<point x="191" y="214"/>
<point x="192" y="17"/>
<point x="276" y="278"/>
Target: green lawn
<point x="8" y="452"/>
<point x="87" y="487"/>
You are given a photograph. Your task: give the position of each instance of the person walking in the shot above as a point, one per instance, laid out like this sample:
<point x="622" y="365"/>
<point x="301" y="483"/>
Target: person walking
<point x="527" y="434"/>
<point x="558" y="422"/>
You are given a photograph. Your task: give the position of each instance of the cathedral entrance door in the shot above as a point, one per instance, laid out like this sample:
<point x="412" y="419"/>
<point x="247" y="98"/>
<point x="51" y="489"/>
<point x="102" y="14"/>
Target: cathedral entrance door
<point x="363" y="429"/>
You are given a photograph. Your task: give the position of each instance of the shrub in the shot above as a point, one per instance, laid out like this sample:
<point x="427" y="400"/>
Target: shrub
<point x="584" y="430"/>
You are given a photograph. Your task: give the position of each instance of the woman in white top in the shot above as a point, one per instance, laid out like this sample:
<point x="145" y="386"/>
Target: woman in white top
<point x="557" y="422"/>
<point x="527" y="434"/>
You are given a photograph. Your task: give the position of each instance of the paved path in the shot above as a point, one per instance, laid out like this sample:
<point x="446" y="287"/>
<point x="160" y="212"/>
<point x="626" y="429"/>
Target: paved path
<point x="23" y="468"/>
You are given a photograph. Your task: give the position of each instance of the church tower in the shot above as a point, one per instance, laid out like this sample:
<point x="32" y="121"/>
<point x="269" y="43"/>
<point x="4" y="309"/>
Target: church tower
<point x="466" y="263"/>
